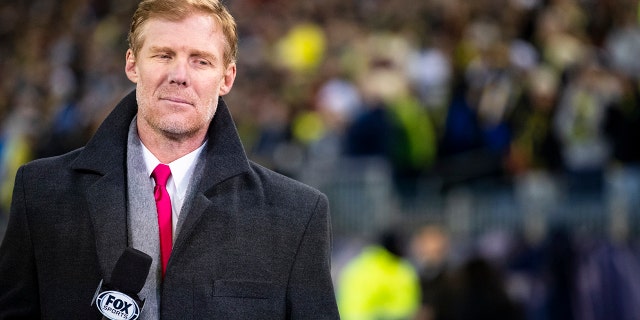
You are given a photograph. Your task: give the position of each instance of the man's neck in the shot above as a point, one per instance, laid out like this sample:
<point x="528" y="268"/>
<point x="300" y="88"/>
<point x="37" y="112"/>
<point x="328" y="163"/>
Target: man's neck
<point x="168" y="149"/>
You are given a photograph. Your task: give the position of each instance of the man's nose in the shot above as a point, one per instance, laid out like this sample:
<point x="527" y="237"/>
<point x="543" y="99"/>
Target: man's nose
<point x="179" y="73"/>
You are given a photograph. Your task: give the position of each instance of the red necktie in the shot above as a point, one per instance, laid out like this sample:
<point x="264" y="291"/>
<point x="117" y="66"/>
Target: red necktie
<point x="163" y="203"/>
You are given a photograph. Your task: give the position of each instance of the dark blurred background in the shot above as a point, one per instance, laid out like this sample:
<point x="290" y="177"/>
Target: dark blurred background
<point x="498" y="138"/>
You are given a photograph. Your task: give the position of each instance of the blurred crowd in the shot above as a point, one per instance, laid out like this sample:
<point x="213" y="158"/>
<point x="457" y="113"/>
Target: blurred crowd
<point x="427" y="276"/>
<point x="455" y="89"/>
<point x="511" y="90"/>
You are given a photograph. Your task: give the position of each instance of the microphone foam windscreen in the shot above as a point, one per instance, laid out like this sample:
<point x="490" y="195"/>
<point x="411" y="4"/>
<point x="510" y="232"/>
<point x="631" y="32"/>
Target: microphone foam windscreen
<point x="131" y="270"/>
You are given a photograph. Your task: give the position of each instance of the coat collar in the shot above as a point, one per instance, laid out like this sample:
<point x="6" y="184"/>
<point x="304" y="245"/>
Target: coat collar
<point x="103" y="160"/>
<point x="106" y="151"/>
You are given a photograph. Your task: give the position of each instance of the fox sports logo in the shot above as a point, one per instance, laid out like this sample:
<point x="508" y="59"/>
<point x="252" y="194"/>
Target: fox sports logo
<point x="116" y="305"/>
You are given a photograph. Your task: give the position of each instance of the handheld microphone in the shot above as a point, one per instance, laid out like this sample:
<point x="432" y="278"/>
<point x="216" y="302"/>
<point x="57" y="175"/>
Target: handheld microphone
<point x="118" y="300"/>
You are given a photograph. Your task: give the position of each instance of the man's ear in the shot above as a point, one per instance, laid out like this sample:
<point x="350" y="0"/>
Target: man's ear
<point x="130" y="66"/>
<point x="229" y="78"/>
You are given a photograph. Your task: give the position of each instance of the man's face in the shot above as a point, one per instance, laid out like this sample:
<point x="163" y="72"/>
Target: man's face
<point x="179" y="74"/>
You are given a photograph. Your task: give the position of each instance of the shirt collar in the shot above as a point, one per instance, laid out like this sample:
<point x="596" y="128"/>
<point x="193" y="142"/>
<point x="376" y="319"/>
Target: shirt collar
<point x="181" y="168"/>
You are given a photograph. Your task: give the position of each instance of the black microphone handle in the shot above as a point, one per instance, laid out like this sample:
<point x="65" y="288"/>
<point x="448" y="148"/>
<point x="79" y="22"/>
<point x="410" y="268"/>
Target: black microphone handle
<point x="127" y="279"/>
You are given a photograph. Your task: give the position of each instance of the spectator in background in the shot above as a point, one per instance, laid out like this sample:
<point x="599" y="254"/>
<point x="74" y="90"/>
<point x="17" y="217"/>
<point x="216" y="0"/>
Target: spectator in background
<point x="478" y="293"/>
<point x="579" y="124"/>
<point x="431" y="253"/>
<point x="534" y="146"/>
<point x="379" y="283"/>
<point x="469" y="290"/>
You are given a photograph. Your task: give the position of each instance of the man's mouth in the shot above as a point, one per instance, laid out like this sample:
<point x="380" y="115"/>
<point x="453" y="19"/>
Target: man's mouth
<point x="177" y="100"/>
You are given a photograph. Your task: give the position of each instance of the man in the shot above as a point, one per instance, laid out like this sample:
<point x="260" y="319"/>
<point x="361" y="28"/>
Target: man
<point x="243" y="241"/>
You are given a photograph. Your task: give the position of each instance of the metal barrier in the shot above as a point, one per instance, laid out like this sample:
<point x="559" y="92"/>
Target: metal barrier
<point x="364" y="201"/>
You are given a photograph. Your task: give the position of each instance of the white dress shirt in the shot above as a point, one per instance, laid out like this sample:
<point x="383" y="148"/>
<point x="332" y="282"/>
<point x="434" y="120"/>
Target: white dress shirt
<point x="178" y="183"/>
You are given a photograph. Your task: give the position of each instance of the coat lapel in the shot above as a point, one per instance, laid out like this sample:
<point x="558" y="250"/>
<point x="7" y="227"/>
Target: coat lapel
<point x="224" y="157"/>
<point x="107" y="207"/>
<point x="101" y="165"/>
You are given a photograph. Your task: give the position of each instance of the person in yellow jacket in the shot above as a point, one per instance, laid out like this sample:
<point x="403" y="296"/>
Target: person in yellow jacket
<point x="379" y="284"/>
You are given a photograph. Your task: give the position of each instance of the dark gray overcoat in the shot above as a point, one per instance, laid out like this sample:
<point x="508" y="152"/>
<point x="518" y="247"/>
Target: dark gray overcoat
<point x="255" y="244"/>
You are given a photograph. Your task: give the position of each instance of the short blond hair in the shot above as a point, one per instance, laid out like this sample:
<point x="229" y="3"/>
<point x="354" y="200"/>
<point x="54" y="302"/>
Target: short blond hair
<point x="176" y="10"/>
